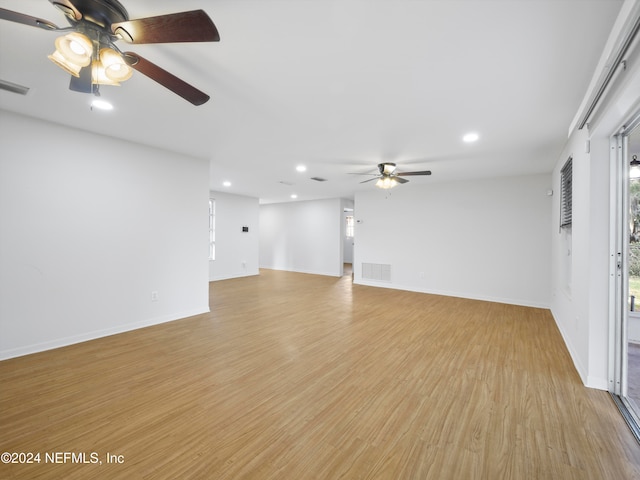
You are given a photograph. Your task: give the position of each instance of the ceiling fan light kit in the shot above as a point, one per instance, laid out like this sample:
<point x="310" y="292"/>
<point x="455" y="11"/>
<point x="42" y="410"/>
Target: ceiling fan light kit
<point x="386" y="183"/>
<point x="75" y="51"/>
<point x="87" y="49"/>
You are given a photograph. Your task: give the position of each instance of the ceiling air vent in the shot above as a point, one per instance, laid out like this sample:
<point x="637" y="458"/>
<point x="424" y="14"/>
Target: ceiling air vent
<point x="13" y="87"/>
<point x="318" y="179"/>
<point x="285" y="183"/>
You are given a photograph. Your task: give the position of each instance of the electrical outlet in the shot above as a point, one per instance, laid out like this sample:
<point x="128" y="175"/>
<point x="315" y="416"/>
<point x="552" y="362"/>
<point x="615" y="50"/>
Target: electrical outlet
<point x="154" y="296"/>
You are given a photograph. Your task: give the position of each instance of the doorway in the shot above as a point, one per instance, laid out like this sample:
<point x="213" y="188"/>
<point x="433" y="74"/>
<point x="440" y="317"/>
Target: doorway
<point x="348" y="240"/>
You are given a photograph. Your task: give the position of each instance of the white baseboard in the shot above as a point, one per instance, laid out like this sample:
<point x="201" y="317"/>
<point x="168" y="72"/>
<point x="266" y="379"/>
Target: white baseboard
<point x="310" y="272"/>
<point x="229" y="277"/>
<point x="484" y="298"/>
<point x="86" y="336"/>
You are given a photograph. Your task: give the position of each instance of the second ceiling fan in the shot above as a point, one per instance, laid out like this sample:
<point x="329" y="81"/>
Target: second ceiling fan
<point x="388" y="176"/>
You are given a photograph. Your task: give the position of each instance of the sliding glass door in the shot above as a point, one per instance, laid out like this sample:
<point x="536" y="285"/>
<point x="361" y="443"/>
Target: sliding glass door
<point x="625" y="333"/>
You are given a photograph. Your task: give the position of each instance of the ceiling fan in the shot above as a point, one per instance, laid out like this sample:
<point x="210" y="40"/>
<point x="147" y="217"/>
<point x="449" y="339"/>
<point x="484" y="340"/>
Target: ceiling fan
<point x="389" y="177"/>
<point x="88" y="52"/>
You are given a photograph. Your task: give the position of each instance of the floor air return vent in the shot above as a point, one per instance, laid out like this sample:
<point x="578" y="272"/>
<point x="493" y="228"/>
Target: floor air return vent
<point x="376" y="271"/>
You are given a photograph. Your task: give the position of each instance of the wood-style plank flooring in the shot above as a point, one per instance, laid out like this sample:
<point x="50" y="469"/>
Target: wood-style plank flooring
<point x="295" y="376"/>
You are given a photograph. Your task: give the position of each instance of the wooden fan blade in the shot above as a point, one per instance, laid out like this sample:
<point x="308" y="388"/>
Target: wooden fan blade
<point x="83" y="83"/>
<point x="406" y="174"/>
<point x="166" y="79"/>
<point x="27" y="20"/>
<point x="370" y="180"/>
<point x="193" y="26"/>
<point x="68" y="8"/>
<point x="400" y="180"/>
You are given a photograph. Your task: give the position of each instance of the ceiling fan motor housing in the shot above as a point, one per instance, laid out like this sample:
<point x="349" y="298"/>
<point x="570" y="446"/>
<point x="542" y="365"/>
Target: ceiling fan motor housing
<point x="102" y="13"/>
<point x="386" y="168"/>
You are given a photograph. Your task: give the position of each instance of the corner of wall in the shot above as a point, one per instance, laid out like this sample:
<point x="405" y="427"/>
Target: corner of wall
<point x="580" y="368"/>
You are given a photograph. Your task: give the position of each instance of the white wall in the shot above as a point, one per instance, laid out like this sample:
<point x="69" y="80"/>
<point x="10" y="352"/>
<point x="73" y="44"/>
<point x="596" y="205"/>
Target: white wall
<point x="485" y="239"/>
<point x="570" y="303"/>
<point x="236" y="251"/>
<point x="582" y="312"/>
<point x="302" y="236"/>
<point x="89" y="227"/>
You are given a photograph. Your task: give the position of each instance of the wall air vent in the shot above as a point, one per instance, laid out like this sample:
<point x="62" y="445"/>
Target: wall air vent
<point x="13" y="87"/>
<point x="318" y="179"/>
<point x="376" y="271"/>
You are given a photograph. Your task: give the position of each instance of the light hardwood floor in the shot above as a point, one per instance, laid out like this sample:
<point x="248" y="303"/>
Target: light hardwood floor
<point x="295" y="376"/>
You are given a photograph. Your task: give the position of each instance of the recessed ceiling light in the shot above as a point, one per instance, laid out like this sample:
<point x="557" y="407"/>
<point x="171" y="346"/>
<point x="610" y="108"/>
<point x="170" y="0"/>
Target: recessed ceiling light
<point x="101" y="104"/>
<point x="226" y="183"/>
<point x="470" y="137"/>
<point x="301" y="168"/>
<point x="293" y="195"/>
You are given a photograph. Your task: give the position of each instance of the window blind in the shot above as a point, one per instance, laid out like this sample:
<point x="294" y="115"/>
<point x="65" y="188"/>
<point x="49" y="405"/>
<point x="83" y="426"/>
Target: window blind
<point x="566" y="193"/>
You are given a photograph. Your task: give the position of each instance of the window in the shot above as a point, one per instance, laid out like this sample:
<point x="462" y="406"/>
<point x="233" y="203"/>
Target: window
<point x="349" y="226"/>
<point x="566" y="194"/>
<point x="212" y="229"/>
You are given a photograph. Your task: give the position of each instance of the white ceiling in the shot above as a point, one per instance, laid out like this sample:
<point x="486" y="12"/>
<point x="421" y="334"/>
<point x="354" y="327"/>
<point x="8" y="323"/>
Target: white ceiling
<point x="339" y="85"/>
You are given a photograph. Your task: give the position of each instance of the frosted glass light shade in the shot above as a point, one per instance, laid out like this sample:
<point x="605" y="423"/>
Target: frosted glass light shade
<point x="71" y="68"/>
<point x="114" y="67"/>
<point x="99" y="76"/>
<point x="76" y="48"/>
<point x="73" y="51"/>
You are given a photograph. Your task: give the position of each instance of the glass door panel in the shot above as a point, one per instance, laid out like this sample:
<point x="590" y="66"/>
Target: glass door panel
<point x="631" y="384"/>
